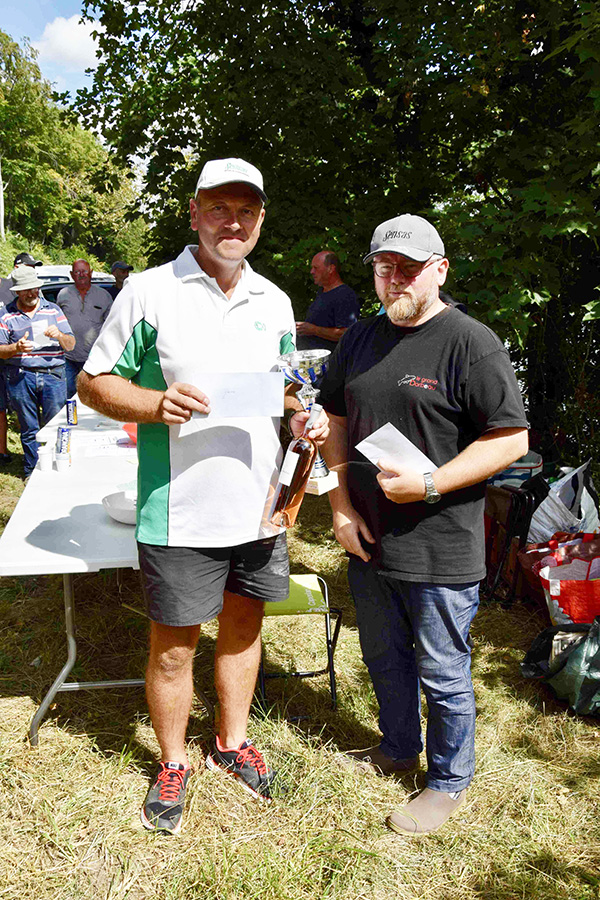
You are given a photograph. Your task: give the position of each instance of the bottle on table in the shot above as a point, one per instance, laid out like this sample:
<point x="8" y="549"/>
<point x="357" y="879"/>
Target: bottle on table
<point x="294" y="475"/>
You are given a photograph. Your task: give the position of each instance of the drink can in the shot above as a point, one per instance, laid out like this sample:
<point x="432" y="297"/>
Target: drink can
<point x="63" y="439"/>
<point x="72" y="412"/>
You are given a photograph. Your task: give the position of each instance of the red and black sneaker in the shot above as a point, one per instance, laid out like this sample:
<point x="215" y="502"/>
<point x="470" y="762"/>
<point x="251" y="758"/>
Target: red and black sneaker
<point x="163" y="806"/>
<point x="247" y="765"/>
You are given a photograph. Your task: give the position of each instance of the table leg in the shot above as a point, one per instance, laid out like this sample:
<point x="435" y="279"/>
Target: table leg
<point x="71" y="657"/>
<point x="59" y="683"/>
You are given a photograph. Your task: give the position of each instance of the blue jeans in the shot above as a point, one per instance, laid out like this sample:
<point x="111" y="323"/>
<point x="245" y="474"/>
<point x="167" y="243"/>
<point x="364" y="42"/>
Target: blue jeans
<point x="73" y="369"/>
<point x="415" y="633"/>
<point x="35" y="395"/>
<point x="3" y="391"/>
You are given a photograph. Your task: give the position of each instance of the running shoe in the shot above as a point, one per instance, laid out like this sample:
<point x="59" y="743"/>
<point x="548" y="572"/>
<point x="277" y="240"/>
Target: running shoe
<point x="163" y="806"/>
<point x="247" y="765"/>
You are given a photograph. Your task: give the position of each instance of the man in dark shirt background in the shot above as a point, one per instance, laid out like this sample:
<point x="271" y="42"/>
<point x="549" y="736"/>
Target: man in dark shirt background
<point x="121" y="271"/>
<point x="335" y="308"/>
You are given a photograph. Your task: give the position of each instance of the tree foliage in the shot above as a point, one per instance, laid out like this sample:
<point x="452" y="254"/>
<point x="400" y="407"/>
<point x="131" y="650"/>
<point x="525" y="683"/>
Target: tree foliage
<point x="60" y="185"/>
<point x="483" y="117"/>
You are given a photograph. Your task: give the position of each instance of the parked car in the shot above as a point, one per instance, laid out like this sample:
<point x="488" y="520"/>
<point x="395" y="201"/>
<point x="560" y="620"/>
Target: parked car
<point x="55" y="274"/>
<point x="50" y="274"/>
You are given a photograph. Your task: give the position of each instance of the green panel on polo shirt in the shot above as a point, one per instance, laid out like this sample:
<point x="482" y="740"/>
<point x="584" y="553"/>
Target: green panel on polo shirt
<point x="140" y="362"/>
<point x="129" y="364"/>
<point x="286" y="344"/>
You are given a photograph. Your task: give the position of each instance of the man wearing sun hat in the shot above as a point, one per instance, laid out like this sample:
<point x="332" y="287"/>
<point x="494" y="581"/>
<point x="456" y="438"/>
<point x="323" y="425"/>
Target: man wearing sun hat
<point x="204" y="546"/>
<point x="21" y="259"/>
<point x="414" y="530"/>
<point x="34" y="335"/>
<point x="6" y="297"/>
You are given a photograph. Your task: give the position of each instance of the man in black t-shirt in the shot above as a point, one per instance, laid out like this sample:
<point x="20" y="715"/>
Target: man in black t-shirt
<point x="415" y="538"/>
<point x="334" y="309"/>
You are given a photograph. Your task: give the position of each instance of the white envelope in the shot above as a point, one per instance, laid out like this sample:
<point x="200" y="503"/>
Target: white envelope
<point x="37" y="336"/>
<point x="388" y="441"/>
<point x="238" y="395"/>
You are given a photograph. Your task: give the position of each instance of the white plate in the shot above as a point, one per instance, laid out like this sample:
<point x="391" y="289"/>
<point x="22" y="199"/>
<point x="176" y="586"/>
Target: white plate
<point x="120" y="506"/>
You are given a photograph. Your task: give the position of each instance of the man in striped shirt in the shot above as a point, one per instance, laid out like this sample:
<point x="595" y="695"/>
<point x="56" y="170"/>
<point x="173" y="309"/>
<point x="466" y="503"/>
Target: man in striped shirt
<point x="34" y="335"/>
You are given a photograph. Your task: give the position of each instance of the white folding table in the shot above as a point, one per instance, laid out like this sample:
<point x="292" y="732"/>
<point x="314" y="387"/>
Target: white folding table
<point x="60" y="526"/>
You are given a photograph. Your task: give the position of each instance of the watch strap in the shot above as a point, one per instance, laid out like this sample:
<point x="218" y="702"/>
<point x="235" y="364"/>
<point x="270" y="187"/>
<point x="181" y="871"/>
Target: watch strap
<point x="432" y="495"/>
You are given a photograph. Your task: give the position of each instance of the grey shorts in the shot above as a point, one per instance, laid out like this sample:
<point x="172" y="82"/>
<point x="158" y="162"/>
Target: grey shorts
<point x="184" y="585"/>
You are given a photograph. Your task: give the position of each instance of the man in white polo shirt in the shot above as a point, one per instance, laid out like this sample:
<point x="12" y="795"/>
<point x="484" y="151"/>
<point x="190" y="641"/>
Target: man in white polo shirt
<point x="205" y="548"/>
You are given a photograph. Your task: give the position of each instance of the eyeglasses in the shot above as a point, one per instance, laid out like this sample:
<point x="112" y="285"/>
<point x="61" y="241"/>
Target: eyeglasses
<point x="408" y="267"/>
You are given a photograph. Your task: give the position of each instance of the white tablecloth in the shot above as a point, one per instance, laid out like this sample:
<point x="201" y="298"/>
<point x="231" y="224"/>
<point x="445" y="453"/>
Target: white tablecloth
<point x="59" y="524"/>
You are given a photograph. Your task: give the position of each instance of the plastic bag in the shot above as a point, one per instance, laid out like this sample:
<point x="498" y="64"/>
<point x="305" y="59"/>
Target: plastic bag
<point x="572" y="588"/>
<point x="574" y="674"/>
<point x="571" y="505"/>
<point x="561" y="545"/>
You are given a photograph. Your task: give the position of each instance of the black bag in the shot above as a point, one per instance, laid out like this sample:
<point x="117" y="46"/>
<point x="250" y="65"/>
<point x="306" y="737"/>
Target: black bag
<point x="574" y="674"/>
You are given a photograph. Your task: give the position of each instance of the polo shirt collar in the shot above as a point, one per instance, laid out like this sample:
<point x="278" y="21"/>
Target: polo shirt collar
<point x="188" y="269"/>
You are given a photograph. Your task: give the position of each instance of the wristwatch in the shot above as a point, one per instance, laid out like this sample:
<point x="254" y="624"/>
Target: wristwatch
<point x="431" y="494"/>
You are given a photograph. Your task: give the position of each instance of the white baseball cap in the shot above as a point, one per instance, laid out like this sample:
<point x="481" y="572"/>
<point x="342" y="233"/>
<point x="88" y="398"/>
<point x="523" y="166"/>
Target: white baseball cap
<point x="217" y="172"/>
<point x="411" y="236"/>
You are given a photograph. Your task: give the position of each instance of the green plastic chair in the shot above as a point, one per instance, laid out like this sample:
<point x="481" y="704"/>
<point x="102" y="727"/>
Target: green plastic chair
<point x="308" y="596"/>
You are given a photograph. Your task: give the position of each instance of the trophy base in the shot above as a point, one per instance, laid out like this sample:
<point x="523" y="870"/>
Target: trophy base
<point x="318" y="486"/>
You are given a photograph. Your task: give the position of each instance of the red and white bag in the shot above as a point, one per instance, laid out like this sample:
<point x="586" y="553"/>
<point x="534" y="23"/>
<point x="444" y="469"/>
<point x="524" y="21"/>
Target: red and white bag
<point x="570" y="576"/>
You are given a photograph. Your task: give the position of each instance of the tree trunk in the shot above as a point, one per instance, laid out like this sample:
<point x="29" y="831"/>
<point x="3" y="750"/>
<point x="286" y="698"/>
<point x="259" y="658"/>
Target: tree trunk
<point x="2" y="235"/>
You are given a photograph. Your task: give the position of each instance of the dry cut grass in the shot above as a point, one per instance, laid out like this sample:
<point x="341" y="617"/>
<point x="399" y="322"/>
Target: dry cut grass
<point x="69" y="810"/>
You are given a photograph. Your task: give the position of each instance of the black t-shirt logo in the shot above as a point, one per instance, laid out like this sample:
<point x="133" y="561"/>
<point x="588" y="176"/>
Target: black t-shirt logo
<point x="428" y="384"/>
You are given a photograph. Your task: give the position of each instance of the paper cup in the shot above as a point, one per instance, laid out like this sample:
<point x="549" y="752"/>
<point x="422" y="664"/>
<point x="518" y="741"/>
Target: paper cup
<point x="45" y="459"/>
<point x="63" y="461"/>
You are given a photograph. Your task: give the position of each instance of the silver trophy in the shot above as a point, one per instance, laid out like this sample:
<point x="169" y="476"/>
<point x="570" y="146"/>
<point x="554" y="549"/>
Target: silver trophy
<point x="304" y="367"/>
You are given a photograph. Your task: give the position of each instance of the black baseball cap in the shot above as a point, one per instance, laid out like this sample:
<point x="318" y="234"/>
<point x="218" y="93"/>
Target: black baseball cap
<point x="26" y="259"/>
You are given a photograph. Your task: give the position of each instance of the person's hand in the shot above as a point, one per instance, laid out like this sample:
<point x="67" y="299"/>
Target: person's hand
<point x="305" y="328"/>
<point x="179" y="401"/>
<point x="399" y="483"/>
<point x="318" y="433"/>
<point x="52" y="332"/>
<point x="348" y="526"/>
<point x="24" y="345"/>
